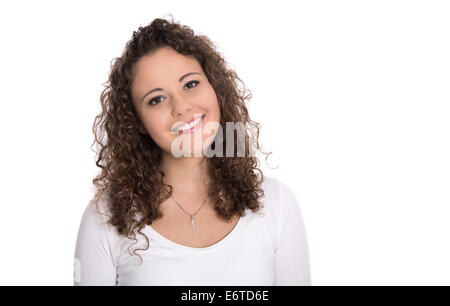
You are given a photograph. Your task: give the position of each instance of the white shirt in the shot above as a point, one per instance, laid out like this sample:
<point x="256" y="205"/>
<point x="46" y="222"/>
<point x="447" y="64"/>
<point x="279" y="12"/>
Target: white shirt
<point x="268" y="247"/>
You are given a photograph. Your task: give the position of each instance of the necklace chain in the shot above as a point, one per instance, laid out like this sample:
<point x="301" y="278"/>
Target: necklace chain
<point x="192" y="222"/>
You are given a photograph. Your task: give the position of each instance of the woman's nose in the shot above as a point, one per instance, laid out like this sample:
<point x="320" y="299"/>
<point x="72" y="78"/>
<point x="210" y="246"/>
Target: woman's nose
<point x="180" y="106"/>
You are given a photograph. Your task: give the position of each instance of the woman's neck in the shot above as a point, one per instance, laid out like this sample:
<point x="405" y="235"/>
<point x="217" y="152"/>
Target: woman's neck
<point x="187" y="176"/>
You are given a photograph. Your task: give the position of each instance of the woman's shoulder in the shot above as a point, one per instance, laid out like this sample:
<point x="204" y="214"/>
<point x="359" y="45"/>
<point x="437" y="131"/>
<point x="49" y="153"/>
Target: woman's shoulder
<point x="284" y="209"/>
<point x="96" y="215"/>
<point x="274" y="188"/>
<point x="275" y="184"/>
<point x="279" y="197"/>
<point x="271" y="198"/>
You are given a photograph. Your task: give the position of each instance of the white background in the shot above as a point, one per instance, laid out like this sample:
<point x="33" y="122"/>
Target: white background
<point x="353" y="98"/>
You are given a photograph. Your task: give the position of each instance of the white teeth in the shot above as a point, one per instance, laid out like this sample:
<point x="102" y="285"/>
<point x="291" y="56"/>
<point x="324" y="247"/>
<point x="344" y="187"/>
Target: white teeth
<point x="190" y="125"/>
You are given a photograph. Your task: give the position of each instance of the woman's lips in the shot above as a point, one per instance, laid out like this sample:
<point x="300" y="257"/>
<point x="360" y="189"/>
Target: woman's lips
<point x="193" y="129"/>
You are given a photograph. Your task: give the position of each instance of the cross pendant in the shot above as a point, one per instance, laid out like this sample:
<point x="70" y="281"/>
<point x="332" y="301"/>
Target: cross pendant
<point x="192" y="222"/>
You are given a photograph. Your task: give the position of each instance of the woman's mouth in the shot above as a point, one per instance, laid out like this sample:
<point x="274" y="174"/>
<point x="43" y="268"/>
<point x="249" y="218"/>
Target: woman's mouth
<point x="191" y="127"/>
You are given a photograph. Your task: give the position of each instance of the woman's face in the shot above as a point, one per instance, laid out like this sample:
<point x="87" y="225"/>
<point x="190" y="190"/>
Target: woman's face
<point x="168" y="89"/>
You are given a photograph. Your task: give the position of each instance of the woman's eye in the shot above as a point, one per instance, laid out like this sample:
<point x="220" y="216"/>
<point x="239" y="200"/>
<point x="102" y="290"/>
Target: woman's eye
<point x="192" y="82"/>
<point x="151" y="102"/>
<point x="155" y="101"/>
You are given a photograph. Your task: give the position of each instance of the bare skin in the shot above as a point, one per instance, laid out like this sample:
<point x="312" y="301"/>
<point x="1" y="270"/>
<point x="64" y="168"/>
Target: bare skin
<point x="158" y="111"/>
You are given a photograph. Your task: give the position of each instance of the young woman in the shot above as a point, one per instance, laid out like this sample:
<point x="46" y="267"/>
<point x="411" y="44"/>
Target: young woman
<point x="161" y="218"/>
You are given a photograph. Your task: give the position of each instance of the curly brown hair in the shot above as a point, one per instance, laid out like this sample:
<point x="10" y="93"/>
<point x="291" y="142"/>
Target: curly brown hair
<point x="130" y="175"/>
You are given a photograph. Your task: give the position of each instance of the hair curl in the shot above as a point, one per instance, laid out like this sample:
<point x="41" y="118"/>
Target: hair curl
<point x="129" y="160"/>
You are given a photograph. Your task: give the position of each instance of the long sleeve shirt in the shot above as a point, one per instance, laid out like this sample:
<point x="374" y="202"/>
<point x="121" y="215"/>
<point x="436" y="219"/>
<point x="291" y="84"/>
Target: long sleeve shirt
<point x="268" y="247"/>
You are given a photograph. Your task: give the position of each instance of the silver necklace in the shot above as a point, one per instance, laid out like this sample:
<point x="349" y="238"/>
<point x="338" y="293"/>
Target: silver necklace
<point x="192" y="222"/>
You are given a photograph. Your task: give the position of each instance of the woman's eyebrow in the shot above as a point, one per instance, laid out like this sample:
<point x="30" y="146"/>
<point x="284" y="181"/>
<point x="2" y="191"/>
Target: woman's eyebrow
<point x="156" y="89"/>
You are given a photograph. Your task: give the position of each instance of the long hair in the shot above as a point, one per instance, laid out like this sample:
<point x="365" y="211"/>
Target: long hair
<point x="130" y="176"/>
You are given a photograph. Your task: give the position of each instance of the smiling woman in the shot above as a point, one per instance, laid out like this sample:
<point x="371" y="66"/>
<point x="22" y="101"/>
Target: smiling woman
<point x="195" y="220"/>
<point x="177" y="100"/>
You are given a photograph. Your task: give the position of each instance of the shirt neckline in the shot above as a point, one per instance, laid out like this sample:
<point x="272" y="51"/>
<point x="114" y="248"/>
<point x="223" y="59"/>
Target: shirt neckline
<point x="219" y="243"/>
